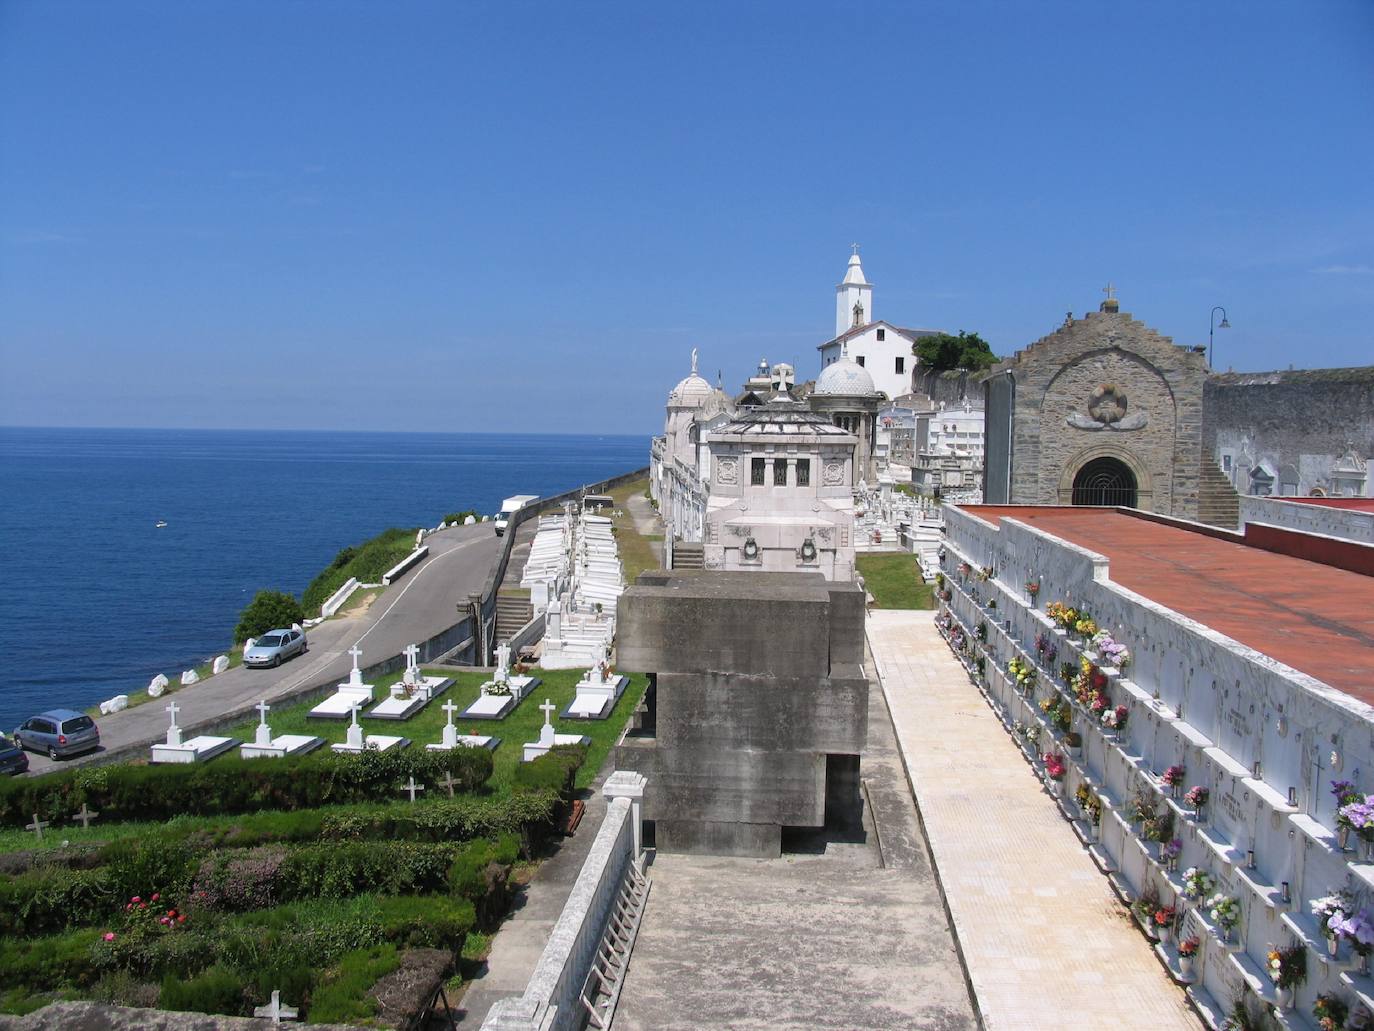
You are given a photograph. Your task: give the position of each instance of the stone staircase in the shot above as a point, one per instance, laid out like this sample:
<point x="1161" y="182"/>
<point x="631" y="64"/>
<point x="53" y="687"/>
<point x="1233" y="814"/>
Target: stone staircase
<point x="512" y="612"/>
<point x="688" y="556"/>
<point x="1218" y="504"/>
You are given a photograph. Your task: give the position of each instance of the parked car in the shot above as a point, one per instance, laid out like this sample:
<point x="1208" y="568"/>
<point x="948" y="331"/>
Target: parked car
<point x="59" y="732"/>
<point x="274" y="647"/>
<point x="12" y="757"/>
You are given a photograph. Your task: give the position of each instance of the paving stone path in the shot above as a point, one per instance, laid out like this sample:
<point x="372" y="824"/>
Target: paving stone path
<point x="1045" y="941"/>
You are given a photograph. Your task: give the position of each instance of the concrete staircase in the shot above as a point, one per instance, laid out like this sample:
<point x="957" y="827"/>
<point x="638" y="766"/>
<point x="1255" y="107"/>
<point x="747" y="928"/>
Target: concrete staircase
<point x="1218" y="504"/>
<point x="688" y="556"/>
<point x="512" y="612"/>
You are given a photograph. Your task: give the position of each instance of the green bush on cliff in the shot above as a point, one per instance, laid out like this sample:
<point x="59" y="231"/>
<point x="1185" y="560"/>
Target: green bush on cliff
<point x="367" y="561"/>
<point x="269" y="610"/>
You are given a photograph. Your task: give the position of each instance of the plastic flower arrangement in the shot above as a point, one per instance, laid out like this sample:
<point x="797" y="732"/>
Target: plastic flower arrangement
<point x="1113" y="652"/>
<point x="1141" y="807"/>
<point x="1158" y="827"/>
<point x="1171" y="850"/>
<point x="1022" y="673"/>
<point x="1188" y="946"/>
<point x="1085" y="627"/>
<point x="1224" y="910"/>
<point x="1115" y="719"/>
<point x="1330" y="911"/>
<point x="1331" y="1012"/>
<point x="1042" y="643"/>
<point x="1357" y="929"/>
<point x="1055" y="767"/>
<point x="1359" y="816"/>
<point x="1287" y="967"/>
<point x="1031" y="733"/>
<point x="1197" y="796"/>
<point x="1197" y="883"/>
<point x="965" y="569"/>
<point x="1345" y="794"/>
<point x="1173" y="776"/>
<point x="1032" y="588"/>
<point x="1163" y="916"/>
<point x="986" y="573"/>
<point x="1063" y="616"/>
<point x="981" y="631"/>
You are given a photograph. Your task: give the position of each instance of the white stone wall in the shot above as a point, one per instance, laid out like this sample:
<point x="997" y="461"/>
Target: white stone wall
<point x="1345" y="523"/>
<point x="1251" y="729"/>
<point x="879" y="357"/>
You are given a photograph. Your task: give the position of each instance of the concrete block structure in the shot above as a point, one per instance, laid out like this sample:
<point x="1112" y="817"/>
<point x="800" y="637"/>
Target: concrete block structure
<point x="757" y="709"/>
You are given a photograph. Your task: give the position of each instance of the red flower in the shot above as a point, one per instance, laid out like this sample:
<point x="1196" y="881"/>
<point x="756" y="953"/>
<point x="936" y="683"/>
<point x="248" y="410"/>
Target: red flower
<point x="154" y="898"/>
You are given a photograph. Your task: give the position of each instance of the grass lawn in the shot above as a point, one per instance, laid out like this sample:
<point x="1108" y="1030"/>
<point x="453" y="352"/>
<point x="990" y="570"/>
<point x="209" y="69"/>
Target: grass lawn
<point x="894" y="580"/>
<point x="427" y="725"/>
<point x="637" y="551"/>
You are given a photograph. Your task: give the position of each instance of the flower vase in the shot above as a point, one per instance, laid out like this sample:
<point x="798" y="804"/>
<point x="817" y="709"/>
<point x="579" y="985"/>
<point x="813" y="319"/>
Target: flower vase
<point x="1056" y="787"/>
<point x="1283" y="997"/>
<point x="1092" y="833"/>
<point x="1343" y="838"/>
<point x="1333" y="944"/>
<point x="1185" y="966"/>
<point x="1364" y="963"/>
<point x="1200" y="814"/>
<point x="1163" y="931"/>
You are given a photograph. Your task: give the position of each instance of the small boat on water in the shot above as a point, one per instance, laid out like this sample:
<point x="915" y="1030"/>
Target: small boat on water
<point x="160" y="523"/>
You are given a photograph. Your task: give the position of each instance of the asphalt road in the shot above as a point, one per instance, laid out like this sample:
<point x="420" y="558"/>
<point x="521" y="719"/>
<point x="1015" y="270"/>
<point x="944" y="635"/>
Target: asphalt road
<point x="419" y="605"/>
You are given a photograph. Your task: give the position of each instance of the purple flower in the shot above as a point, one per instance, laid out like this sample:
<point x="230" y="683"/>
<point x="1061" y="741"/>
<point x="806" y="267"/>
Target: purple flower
<point x="1172" y="849"/>
<point x="1358" y="928"/>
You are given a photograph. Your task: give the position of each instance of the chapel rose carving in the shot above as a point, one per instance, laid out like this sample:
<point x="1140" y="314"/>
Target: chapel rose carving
<point x="1107" y="410"/>
<point x="727" y="471"/>
<point x="834" y="474"/>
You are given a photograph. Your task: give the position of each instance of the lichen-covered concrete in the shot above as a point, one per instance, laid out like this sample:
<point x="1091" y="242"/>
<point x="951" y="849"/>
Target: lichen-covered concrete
<point x="834" y="934"/>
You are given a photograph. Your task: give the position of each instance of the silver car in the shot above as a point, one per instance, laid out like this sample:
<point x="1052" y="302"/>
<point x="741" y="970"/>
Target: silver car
<point x="274" y="647"/>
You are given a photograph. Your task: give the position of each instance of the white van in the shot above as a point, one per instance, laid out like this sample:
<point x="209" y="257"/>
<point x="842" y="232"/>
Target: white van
<point x="509" y="507"/>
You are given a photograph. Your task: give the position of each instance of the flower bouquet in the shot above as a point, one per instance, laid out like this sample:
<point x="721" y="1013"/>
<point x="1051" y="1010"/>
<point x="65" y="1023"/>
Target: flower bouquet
<point x="1225" y="913"/>
<point x="1055" y="767"/>
<point x="1197" y="797"/>
<point x="1358" y="815"/>
<point x="1359" y="931"/>
<point x="1085" y="627"/>
<point x="1331" y="1012"/>
<point x="1064" y="617"/>
<point x="1115" y="719"/>
<point x="986" y="573"/>
<point x="965" y="569"/>
<point x="1022" y="674"/>
<point x="1287" y="968"/>
<point x="1330" y="912"/>
<point x="1172" y="778"/>
<point x="1172" y="849"/>
<point x="981" y="631"/>
<point x="1158" y="826"/>
<point x="1112" y="651"/>
<point x="1032" y="589"/>
<point x="1197" y="883"/>
<point x="1187" y="949"/>
<point x="1163" y="918"/>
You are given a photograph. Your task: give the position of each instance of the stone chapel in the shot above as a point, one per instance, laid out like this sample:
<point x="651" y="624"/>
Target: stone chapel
<point x="1103" y="411"/>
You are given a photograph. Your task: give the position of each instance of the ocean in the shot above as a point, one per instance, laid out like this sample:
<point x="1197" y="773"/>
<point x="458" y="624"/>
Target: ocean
<point x="100" y="599"/>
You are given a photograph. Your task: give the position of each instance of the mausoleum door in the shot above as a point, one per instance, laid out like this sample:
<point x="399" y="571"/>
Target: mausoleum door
<point x="1105" y="481"/>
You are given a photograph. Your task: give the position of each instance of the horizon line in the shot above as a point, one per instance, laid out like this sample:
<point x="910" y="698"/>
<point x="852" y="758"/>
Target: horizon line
<point x="268" y="429"/>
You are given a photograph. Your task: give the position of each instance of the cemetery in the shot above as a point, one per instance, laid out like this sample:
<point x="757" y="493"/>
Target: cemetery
<point x="301" y="880"/>
<point x="1219" y="782"/>
<point x="575" y="578"/>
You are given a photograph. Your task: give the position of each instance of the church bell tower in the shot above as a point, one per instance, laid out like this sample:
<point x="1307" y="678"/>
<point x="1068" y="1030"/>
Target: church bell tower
<point x="853" y="297"/>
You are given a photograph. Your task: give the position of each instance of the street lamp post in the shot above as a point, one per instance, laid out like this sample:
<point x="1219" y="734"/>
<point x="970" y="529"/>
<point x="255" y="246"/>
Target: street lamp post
<point x="1213" y="326"/>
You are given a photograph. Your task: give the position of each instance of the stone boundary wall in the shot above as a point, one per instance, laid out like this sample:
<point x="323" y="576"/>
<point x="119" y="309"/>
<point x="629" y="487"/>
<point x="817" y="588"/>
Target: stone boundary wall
<point x="551" y="999"/>
<point x="1350" y="524"/>
<point x="1252" y="730"/>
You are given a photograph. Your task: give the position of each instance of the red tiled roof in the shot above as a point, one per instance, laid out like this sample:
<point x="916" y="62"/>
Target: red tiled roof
<point x="1313" y="617"/>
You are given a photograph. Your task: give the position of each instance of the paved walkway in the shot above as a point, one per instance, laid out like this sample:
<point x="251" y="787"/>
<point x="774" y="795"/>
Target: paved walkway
<point x="1045" y="941"/>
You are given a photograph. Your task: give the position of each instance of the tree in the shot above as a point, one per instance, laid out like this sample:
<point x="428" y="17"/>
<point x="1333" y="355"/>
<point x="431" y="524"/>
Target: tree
<point x="267" y="611"/>
<point x="943" y="351"/>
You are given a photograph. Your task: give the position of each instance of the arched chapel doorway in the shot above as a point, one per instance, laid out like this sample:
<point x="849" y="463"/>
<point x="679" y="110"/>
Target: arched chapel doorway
<point x="1105" y="481"/>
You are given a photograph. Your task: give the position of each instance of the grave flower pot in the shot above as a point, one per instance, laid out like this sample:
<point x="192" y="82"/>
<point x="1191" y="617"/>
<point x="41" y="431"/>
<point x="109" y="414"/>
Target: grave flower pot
<point x="1185" y="966"/>
<point x="1333" y="944"/>
<point x="1343" y="838"/>
<point x="1283" y="998"/>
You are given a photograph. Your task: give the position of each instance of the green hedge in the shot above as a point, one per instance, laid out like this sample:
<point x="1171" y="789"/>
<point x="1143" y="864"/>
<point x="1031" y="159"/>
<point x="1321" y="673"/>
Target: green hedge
<point x="127" y="792"/>
<point x="367" y="561"/>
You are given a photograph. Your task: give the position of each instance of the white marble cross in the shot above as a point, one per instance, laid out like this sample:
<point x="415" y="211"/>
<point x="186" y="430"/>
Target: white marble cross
<point x="412" y="787"/>
<point x="449" y="708"/>
<point x="412" y="654"/>
<point x="173" y="710"/>
<point x="357" y="654"/>
<point x="37" y="826"/>
<point x="275" y="1011"/>
<point x="86" y="815"/>
<point x="263" y="709"/>
<point x="353" y="710"/>
<point x="548" y="708"/>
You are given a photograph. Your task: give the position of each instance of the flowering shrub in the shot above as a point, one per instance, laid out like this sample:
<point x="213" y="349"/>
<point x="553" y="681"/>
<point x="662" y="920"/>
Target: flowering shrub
<point x="1224" y="910"/>
<point x="145" y="917"/>
<point x="1113" y="652"/>
<point x="1197" y="883"/>
<point x="1173" y="776"/>
<point x="1331" y="1012"/>
<point x="1055" y="767"/>
<point x="1287" y="967"/>
<point x="1188" y="946"/>
<point x="1197" y="796"/>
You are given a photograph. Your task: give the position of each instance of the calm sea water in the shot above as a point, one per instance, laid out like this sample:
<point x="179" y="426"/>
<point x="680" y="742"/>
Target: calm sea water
<point x="97" y="600"/>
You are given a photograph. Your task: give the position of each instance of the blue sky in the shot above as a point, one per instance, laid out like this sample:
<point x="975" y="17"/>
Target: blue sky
<point x="508" y="216"/>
